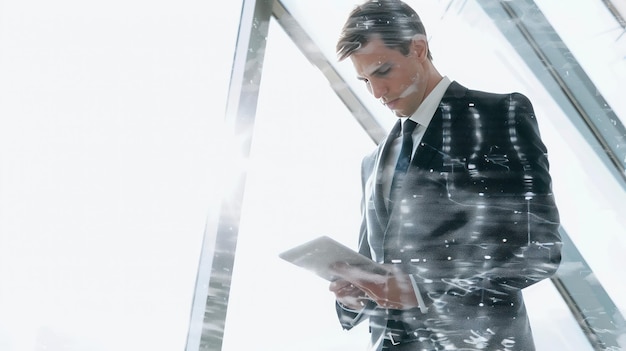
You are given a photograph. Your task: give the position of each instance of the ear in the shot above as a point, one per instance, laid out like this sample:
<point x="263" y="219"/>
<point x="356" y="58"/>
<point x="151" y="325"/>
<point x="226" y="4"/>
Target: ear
<point x="419" y="46"/>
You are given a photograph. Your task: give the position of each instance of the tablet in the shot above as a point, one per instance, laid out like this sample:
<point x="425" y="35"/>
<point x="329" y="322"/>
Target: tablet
<point x="320" y="254"/>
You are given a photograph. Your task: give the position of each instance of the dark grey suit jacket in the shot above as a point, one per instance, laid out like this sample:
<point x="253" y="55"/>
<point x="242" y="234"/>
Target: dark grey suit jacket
<point x="475" y="224"/>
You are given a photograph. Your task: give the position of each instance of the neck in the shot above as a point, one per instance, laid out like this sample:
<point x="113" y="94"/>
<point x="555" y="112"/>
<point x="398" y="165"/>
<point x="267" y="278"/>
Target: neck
<point x="434" y="77"/>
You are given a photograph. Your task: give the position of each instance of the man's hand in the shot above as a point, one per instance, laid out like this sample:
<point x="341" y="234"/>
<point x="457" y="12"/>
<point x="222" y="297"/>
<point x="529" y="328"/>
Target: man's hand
<point x="348" y="295"/>
<point x="392" y="291"/>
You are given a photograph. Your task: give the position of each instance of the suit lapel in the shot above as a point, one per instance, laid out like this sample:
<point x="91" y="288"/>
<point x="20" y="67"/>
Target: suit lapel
<point x="379" y="198"/>
<point x="431" y="144"/>
<point x="430" y="150"/>
<point x="428" y="153"/>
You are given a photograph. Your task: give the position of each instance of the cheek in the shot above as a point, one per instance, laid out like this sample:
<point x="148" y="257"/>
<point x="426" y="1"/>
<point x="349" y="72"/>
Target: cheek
<point x="402" y="84"/>
<point x="416" y="79"/>
<point x="410" y="87"/>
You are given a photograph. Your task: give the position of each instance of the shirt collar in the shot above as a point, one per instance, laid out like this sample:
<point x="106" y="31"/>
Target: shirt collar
<point x="427" y="108"/>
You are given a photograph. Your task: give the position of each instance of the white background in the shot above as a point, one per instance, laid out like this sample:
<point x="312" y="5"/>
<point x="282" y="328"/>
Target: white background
<point x="108" y="111"/>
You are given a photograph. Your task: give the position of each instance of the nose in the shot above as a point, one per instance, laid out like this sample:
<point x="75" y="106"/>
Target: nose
<point x="378" y="89"/>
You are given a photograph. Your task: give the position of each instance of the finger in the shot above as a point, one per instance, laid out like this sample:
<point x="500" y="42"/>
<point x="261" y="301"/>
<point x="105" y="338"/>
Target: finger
<point x="385" y="303"/>
<point x="355" y="302"/>
<point x="372" y="289"/>
<point x="351" y="290"/>
<point x="338" y="284"/>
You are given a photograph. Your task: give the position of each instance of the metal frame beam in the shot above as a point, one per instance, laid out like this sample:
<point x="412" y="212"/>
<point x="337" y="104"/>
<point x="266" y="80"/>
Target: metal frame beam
<point x="545" y="53"/>
<point x="208" y="314"/>
<point x="596" y="314"/>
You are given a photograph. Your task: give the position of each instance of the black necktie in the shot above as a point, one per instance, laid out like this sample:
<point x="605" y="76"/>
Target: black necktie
<point x="403" y="159"/>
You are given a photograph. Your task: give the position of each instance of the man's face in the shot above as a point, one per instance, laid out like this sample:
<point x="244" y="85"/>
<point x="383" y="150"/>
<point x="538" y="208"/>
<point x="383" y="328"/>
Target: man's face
<point x="397" y="80"/>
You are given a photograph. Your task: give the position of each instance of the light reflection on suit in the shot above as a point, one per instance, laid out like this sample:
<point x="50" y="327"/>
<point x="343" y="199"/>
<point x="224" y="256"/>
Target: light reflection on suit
<point x="476" y="222"/>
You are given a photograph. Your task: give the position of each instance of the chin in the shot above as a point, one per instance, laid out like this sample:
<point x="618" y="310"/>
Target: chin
<point x="400" y="113"/>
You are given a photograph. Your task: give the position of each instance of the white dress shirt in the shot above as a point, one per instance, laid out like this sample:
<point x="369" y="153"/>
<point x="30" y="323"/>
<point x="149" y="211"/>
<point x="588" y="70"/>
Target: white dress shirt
<point x="422" y="117"/>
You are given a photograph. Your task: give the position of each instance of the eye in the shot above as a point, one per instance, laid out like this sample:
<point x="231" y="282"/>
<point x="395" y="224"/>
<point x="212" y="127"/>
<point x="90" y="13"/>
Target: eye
<point x="383" y="70"/>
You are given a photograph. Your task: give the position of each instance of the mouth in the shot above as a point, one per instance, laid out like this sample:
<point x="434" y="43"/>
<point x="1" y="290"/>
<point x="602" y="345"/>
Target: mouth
<point x="391" y="104"/>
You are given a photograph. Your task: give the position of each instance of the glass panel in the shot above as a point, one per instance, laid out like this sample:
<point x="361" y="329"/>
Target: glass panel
<point x="469" y="48"/>
<point x="597" y="40"/>
<point x="304" y="184"/>
<point x="303" y="181"/>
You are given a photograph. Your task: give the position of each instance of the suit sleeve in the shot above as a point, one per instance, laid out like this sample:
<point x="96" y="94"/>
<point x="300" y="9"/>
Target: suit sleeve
<point x="520" y="202"/>
<point x="509" y="235"/>
<point x="348" y="317"/>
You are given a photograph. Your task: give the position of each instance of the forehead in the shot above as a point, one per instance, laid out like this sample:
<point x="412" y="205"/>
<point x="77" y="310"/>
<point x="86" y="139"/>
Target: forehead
<point x="375" y="45"/>
<point x="373" y="55"/>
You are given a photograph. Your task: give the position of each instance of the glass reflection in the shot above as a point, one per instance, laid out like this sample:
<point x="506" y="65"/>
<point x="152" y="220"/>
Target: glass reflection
<point x="574" y="167"/>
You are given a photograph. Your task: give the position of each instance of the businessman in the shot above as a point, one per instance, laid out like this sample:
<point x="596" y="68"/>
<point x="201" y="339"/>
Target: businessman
<point x="457" y="200"/>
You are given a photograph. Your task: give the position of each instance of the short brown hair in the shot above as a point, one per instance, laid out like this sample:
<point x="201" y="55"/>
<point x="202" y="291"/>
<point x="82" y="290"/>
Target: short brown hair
<point x="396" y="23"/>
